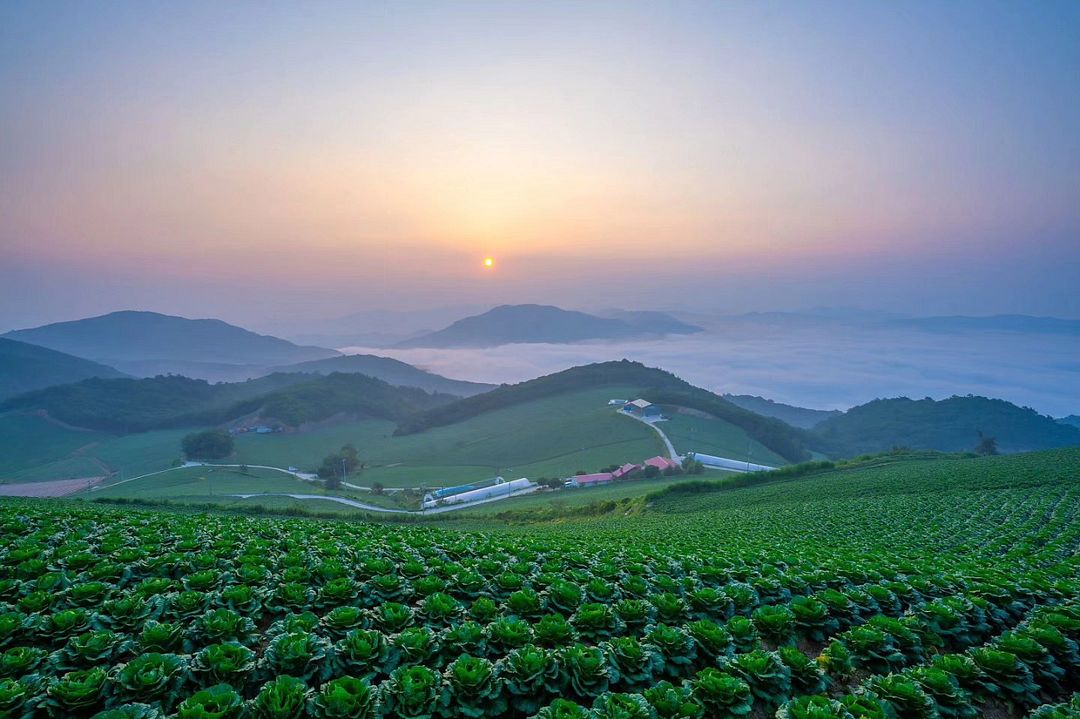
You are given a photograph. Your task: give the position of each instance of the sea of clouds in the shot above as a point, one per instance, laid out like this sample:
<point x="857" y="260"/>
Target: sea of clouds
<point x="831" y="368"/>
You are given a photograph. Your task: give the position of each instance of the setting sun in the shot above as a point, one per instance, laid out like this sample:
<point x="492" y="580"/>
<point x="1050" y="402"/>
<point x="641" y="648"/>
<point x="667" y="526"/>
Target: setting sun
<point x="489" y="262"/>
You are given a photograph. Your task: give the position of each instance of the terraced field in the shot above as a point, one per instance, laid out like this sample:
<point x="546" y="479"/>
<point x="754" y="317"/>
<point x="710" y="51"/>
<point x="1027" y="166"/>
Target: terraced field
<point x="894" y="589"/>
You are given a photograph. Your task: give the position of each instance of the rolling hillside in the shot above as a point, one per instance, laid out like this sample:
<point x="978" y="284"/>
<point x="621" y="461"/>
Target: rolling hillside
<point x="653" y="384"/>
<point x="391" y="371"/>
<point x="508" y="324"/>
<point x="148" y="343"/>
<point x="950" y="425"/>
<point x="137" y="405"/>
<point x="25" y="367"/>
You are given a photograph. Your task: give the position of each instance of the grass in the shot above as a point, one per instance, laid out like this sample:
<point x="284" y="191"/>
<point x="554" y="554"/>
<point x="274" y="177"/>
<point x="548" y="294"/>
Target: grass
<point x="33" y="448"/>
<point x="692" y="433"/>
<point x="203" y="483"/>
<point x="552" y="437"/>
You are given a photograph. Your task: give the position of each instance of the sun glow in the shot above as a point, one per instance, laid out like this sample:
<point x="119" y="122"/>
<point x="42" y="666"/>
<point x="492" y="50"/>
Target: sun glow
<point x="489" y="262"/>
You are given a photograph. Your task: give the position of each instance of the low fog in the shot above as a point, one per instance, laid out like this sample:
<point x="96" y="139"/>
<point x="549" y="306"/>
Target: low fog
<point x="830" y="368"/>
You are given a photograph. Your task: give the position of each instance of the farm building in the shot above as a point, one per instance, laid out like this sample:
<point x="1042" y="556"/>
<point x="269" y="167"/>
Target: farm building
<point x="499" y="489"/>
<point x="590" y="480"/>
<point x="732" y="464"/>
<point x="662" y="463"/>
<point x="642" y="408"/>
<point x="624" y="470"/>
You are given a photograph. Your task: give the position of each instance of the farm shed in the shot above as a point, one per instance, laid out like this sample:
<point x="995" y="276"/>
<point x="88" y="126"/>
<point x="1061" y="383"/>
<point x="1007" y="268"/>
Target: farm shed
<point x="590" y="480"/>
<point x="642" y="408"/>
<point x="501" y="489"/>
<point x="733" y="464"/>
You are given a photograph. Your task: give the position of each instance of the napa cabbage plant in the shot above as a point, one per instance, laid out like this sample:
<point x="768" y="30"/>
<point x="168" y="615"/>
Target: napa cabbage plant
<point x="471" y="688"/>
<point x="902" y="697"/>
<point x="19" y="699"/>
<point x="720" y="693"/>
<point x="229" y="662"/>
<point x="220" y="701"/>
<point x="411" y="692"/>
<point x="75" y="693"/>
<point x="362" y="653"/>
<point x="529" y="676"/>
<point x="299" y="654"/>
<point x="563" y="709"/>
<point x="610" y="705"/>
<point x="632" y="664"/>
<point x="284" y="697"/>
<point x="153" y="676"/>
<point x="583" y="671"/>
<point x="346" y="698"/>
<point x="673" y="702"/>
<point x="676" y="648"/>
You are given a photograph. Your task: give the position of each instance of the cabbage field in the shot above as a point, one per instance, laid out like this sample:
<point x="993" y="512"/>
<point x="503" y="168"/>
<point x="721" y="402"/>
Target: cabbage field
<point x="924" y="588"/>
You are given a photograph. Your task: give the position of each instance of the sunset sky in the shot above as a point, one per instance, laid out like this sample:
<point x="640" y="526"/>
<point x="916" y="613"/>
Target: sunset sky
<point x="257" y="160"/>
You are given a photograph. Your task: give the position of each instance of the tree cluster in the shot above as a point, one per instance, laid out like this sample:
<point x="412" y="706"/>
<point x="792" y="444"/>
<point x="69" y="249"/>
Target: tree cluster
<point x="210" y="444"/>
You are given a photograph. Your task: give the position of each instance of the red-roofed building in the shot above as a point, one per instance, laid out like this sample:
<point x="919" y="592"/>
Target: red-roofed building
<point x="590" y="480"/>
<point x="624" y="470"/>
<point x="662" y="463"/>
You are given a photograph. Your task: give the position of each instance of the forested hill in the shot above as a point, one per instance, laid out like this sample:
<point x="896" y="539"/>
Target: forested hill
<point x="654" y="384"/>
<point x="789" y="442"/>
<point x="949" y="425"/>
<point x="390" y="370"/>
<point x="135" y="405"/>
<point x="25" y="367"/>
<point x="620" y="373"/>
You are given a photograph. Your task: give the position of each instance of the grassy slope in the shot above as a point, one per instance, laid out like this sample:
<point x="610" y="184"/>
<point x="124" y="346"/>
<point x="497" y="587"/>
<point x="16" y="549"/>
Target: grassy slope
<point x="550" y="437"/>
<point x="716" y="437"/>
<point x="196" y="484"/>
<point x="35" y="449"/>
<point x="555" y="436"/>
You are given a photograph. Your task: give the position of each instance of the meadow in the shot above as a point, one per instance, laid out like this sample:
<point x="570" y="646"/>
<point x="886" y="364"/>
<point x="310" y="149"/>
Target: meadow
<point x="941" y="587"/>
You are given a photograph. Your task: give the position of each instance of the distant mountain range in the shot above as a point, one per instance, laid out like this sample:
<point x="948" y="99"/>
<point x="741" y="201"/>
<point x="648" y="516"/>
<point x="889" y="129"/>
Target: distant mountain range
<point x="510" y="324"/>
<point x="25" y="367"/>
<point x="148" y="343"/>
<point x="391" y="371"/>
<point x="801" y="417"/>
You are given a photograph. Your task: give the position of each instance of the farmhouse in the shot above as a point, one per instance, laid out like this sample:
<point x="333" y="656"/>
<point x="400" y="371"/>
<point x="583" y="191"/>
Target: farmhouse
<point x="624" y="470"/>
<point x="590" y="480"/>
<point x="642" y="408"/>
<point x="662" y="463"/>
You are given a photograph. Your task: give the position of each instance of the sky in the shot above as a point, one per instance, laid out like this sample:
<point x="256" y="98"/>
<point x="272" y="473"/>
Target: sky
<point x="261" y="161"/>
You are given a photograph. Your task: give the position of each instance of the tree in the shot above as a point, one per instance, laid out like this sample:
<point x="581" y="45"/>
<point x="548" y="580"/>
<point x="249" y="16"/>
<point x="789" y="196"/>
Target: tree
<point x="377" y="488"/>
<point x="210" y="444"/>
<point x="651" y="472"/>
<point x="987" y="446"/>
<point x="340" y="463"/>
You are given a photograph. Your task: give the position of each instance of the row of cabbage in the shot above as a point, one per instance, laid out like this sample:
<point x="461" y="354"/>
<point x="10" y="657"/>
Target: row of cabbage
<point x="290" y="618"/>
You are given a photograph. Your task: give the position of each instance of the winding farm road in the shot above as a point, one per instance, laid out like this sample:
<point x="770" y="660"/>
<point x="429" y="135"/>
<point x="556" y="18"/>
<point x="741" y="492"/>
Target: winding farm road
<point x="672" y="454"/>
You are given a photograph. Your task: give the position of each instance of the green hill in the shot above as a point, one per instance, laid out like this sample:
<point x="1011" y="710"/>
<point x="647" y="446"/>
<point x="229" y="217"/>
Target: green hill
<point x="25" y="367"/>
<point x="949" y="425"/>
<point x="655" y="385"/>
<point x="391" y="371"/>
<point x="137" y="405"/>
<point x="148" y="343"/>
